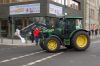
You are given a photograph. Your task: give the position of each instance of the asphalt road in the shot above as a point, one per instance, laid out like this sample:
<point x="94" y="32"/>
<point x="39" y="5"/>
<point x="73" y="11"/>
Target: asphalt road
<point x="35" y="56"/>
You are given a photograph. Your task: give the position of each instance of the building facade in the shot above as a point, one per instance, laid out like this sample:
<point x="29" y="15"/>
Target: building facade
<point x="35" y="9"/>
<point x="91" y="14"/>
<point x="46" y="9"/>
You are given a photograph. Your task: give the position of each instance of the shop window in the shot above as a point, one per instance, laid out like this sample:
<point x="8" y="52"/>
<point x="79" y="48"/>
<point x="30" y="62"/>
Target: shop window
<point x="4" y="28"/>
<point x="41" y="20"/>
<point x="51" y="22"/>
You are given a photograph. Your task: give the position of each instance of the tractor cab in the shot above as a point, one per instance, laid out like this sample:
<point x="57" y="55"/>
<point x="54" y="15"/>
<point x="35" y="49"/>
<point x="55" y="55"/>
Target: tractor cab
<point x="73" y="22"/>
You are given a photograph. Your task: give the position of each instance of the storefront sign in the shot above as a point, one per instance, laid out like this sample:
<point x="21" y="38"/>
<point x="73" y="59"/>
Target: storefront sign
<point x="25" y="9"/>
<point x="57" y="10"/>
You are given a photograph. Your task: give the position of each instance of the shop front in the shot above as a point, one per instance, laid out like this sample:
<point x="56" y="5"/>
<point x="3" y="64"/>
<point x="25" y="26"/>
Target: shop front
<point x="24" y="14"/>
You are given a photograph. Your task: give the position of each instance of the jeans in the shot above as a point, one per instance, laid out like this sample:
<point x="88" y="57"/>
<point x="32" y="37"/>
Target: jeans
<point x="36" y="39"/>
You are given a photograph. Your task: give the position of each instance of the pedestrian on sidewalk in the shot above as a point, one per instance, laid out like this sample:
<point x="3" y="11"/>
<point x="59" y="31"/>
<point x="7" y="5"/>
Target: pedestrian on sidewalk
<point x="18" y="34"/>
<point x="32" y="35"/>
<point x="96" y="32"/>
<point x="36" y="35"/>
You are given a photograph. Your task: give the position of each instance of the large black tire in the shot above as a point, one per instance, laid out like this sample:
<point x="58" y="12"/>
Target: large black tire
<point x="52" y="44"/>
<point x="80" y="41"/>
<point x="42" y="44"/>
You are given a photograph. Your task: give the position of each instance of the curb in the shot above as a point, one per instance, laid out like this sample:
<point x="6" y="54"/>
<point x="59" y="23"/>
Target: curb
<point x="93" y="38"/>
<point x="17" y="44"/>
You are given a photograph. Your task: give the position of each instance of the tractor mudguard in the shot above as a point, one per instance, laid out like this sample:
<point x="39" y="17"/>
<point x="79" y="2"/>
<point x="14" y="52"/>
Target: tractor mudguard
<point x="75" y="31"/>
<point x="57" y="38"/>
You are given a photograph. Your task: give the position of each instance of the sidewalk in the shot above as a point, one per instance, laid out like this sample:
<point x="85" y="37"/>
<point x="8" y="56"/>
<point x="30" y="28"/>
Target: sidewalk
<point x="17" y="42"/>
<point x="94" y="37"/>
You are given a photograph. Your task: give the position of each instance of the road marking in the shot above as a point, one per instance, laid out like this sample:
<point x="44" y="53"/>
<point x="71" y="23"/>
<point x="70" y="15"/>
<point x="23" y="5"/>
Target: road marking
<point x="15" y="58"/>
<point x="95" y="42"/>
<point x="43" y="59"/>
<point x="27" y="55"/>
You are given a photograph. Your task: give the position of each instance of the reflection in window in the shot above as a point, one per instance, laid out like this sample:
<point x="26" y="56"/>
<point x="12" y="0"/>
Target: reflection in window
<point x="78" y="24"/>
<point x="39" y="19"/>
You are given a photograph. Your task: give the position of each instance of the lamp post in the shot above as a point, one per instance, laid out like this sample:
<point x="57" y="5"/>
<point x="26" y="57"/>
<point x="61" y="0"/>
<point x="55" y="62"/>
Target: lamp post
<point x="1" y="33"/>
<point x="11" y="22"/>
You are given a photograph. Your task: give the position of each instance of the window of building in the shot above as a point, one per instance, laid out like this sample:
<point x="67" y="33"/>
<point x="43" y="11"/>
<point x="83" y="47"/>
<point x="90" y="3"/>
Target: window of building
<point x="92" y="13"/>
<point x="59" y="1"/>
<point x="71" y="3"/>
<point x="7" y="1"/>
<point x="75" y="4"/>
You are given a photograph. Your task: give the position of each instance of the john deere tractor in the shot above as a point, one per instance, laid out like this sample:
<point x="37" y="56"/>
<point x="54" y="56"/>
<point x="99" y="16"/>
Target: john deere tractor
<point x="67" y="32"/>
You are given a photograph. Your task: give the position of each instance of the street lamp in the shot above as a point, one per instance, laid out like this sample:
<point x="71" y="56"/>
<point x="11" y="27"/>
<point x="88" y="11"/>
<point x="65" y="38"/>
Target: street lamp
<point x="11" y="21"/>
<point x="66" y="14"/>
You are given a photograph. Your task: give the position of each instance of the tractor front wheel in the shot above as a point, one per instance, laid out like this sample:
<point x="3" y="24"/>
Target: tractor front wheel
<point x="42" y="44"/>
<point x="80" y="41"/>
<point x="52" y="44"/>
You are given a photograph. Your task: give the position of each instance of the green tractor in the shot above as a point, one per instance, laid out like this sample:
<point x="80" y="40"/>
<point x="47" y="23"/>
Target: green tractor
<point x="67" y="32"/>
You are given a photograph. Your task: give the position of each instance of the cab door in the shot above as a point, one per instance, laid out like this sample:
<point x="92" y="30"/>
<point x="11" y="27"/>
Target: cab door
<point x="69" y="27"/>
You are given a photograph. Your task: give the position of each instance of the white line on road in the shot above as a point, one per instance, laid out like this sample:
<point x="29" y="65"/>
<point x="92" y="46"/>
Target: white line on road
<point x="43" y="59"/>
<point x="95" y="42"/>
<point x="15" y="58"/>
<point x="27" y="55"/>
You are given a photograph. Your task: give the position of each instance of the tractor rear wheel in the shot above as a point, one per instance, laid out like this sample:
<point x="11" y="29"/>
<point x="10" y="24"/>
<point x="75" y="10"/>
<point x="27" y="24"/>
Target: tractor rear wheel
<point x="80" y="41"/>
<point x="52" y="44"/>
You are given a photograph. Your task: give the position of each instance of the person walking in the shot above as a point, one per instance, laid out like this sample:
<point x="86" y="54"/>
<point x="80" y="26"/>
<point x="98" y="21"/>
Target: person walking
<point x="18" y="33"/>
<point x="32" y="35"/>
<point x="36" y="35"/>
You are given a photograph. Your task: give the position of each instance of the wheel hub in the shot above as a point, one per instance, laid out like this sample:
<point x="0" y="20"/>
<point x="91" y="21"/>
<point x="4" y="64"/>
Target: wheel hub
<point x="52" y="44"/>
<point x="81" y="41"/>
